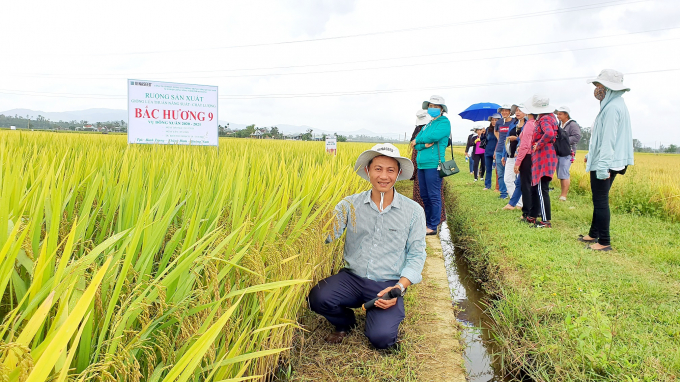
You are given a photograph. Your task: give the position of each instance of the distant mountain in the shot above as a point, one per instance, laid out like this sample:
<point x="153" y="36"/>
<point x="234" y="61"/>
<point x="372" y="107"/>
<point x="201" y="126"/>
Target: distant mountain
<point x="89" y="115"/>
<point x="104" y="115"/>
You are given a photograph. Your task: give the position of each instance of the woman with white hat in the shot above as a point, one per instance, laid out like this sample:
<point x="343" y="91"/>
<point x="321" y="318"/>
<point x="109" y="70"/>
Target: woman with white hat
<point x="422" y="119"/>
<point x="543" y="159"/>
<point x="609" y="154"/>
<point x="431" y="145"/>
<point x="523" y="161"/>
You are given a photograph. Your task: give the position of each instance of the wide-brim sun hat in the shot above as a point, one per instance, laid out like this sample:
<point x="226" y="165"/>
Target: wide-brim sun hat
<point x="495" y="115"/>
<point x="422" y="118"/>
<point x="506" y="107"/>
<point x="538" y="104"/>
<point x="519" y="106"/>
<point x="436" y="100"/>
<point x="611" y="79"/>
<point x="388" y="150"/>
<point x="563" y="109"/>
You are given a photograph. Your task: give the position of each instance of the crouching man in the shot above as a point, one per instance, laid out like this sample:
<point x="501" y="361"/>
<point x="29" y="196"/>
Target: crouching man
<point x="384" y="249"/>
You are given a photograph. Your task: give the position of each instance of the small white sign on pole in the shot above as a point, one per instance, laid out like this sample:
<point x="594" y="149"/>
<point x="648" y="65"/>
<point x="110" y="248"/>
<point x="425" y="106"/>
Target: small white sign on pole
<point x="12" y="127"/>
<point x="332" y="145"/>
<point x="169" y="113"/>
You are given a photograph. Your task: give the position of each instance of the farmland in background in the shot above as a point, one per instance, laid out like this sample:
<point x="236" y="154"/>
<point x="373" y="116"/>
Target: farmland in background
<point x="160" y="263"/>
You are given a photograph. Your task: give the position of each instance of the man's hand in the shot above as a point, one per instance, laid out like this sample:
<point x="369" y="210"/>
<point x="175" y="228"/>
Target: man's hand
<point x="535" y="147"/>
<point x="512" y="138"/>
<point x="384" y="304"/>
<point x="503" y="161"/>
<point x="516" y="169"/>
<point x="428" y="145"/>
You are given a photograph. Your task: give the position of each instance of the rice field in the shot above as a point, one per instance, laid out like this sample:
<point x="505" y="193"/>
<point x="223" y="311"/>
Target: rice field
<point x="160" y="263"/>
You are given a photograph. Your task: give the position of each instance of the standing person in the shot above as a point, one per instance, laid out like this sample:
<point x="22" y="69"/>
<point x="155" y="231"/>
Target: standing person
<point x="523" y="162"/>
<point x="609" y="154"/>
<point x="431" y="145"/>
<point x="501" y="131"/>
<point x="490" y="149"/>
<point x="393" y="226"/>
<point x="512" y="182"/>
<point x="478" y="154"/>
<point x="469" y="148"/>
<point x="422" y="119"/>
<point x="543" y="158"/>
<point x="573" y="131"/>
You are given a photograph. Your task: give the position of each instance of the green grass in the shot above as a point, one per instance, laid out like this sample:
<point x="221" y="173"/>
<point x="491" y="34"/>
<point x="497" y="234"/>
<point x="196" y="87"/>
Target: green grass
<point x="563" y="312"/>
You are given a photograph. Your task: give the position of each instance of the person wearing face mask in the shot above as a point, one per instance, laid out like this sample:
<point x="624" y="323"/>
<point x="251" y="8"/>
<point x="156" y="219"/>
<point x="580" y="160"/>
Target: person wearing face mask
<point x="422" y="119"/>
<point x="384" y="249"/>
<point x="431" y="145"/>
<point x="502" y="128"/>
<point x="609" y="154"/>
<point x="490" y="149"/>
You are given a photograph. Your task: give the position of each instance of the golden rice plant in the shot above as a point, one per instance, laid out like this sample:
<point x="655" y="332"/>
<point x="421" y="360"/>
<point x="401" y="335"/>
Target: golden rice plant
<point x="159" y="263"/>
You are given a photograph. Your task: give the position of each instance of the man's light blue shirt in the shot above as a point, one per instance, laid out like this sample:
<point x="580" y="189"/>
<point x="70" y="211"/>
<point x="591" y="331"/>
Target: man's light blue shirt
<point x="385" y="245"/>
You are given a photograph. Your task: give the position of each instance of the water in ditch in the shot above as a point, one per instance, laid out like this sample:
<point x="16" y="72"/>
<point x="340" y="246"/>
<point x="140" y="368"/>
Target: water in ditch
<point x="469" y="300"/>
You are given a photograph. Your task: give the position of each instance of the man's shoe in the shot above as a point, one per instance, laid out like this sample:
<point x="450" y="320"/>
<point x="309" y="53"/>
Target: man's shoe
<point x="336" y="337"/>
<point x="543" y="225"/>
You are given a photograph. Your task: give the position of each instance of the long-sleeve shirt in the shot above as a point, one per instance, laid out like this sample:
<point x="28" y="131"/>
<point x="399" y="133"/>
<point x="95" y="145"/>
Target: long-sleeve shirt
<point x="470" y="142"/>
<point x="573" y="130"/>
<point x="385" y="245"/>
<point x="611" y="142"/>
<point x="525" y="138"/>
<point x="437" y="132"/>
<point x="544" y="158"/>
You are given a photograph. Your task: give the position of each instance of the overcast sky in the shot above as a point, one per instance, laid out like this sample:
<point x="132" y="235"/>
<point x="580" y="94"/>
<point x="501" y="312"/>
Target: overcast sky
<point x="470" y="51"/>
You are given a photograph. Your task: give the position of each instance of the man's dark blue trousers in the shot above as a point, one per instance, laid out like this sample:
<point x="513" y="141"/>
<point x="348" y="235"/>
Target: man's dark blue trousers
<point x="333" y="298"/>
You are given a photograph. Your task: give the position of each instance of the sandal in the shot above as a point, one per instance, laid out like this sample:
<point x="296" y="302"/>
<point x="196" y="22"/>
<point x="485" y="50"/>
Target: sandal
<point x="603" y="249"/>
<point x="581" y="238"/>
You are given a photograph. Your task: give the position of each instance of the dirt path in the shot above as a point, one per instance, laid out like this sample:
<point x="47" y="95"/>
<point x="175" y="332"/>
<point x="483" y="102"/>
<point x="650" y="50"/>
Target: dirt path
<point x="439" y="327"/>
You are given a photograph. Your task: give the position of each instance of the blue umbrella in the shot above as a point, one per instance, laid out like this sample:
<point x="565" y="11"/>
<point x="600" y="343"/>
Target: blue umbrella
<point x="479" y="111"/>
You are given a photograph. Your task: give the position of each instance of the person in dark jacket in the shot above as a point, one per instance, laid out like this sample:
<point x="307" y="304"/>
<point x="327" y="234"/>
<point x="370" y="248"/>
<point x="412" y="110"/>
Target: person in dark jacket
<point x="573" y="131"/>
<point x="490" y="149"/>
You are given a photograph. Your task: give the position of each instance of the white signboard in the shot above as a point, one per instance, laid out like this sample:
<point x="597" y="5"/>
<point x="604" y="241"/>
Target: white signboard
<point x="332" y="145"/>
<point x="13" y="128"/>
<point x="169" y="113"/>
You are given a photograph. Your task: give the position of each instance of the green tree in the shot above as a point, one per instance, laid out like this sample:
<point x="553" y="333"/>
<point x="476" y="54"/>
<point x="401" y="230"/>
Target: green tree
<point x="341" y="138"/>
<point x="306" y="136"/>
<point x="584" y="143"/>
<point x="637" y="145"/>
<point x="275" y="132"/>
<point x="672" y="148"/>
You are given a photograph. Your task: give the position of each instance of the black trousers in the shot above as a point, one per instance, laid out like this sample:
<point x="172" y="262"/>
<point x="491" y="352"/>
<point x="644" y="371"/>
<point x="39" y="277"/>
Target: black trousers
<point x="540" y="195"/>
<point x="335" y="296"/>
<point x="477" y="159"/>
<point x="525" y="184"/>
<point x="599" y="228"/>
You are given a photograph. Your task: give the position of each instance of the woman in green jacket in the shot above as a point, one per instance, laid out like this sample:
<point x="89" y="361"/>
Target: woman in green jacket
<point x="610" y="152"/>
<point x="431" y="145"/>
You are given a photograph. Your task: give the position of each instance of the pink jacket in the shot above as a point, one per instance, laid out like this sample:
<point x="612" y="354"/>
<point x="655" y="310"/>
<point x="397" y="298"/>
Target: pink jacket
<point x="525" y="138"/>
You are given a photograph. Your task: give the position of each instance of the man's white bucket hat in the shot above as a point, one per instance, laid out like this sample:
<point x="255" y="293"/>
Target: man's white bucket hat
<point x="387" y="150"/>
<point x="437" y="100"/>
<point x="538" y="104"/>
<point x="563" y="109"/>
<point x="611" y="79"/>
<point x="422" y="118"/>
<point x="506" y="107"/>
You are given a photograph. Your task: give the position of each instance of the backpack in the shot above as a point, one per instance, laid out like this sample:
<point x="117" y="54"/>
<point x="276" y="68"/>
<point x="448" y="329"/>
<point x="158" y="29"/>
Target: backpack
<point x="562" y="146"/>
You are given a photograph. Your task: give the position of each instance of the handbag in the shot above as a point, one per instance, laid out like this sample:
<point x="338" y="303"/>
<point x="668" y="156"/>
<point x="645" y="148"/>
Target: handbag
<point x="447" y="168"/>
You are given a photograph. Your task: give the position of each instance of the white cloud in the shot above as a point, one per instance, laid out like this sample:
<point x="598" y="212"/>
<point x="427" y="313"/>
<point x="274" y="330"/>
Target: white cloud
<point x="77" y="44"/>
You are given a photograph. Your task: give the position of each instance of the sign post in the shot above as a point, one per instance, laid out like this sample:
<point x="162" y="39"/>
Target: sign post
<point x="332" y="145"/>
<point x="169" y="113"/>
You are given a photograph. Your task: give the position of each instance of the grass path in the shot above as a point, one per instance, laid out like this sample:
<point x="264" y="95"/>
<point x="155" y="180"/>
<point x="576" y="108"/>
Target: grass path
<point x="566" y="313"/>
<point x="429" y="347"/>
